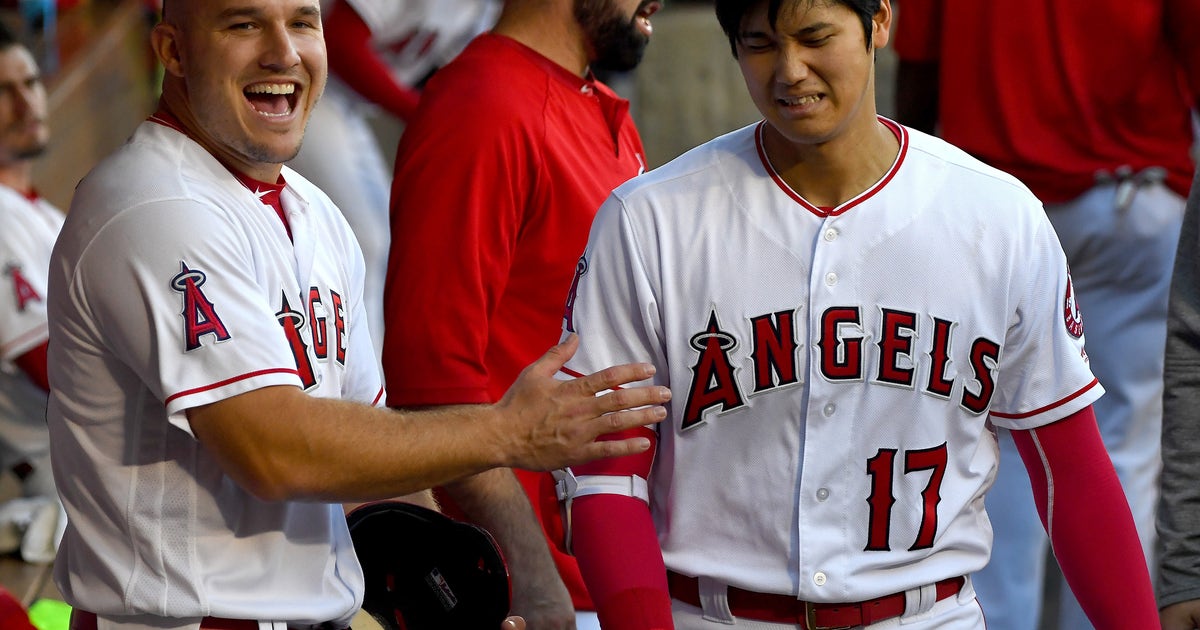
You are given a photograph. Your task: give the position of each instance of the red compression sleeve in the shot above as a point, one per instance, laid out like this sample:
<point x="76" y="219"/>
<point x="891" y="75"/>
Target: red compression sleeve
<point x="354" y="61"/>
<point x="617" y="547"/>
<point x="1088" y="520"/>
<point x="33" y="363"/>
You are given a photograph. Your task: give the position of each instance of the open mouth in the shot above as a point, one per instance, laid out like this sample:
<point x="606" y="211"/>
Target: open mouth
<point x="273" y="100"/>
<point x="642" y="17"/>
<point x="799" y="101"/>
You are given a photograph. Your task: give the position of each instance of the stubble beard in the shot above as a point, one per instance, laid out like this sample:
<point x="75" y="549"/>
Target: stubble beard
<point x="617" y="42"/>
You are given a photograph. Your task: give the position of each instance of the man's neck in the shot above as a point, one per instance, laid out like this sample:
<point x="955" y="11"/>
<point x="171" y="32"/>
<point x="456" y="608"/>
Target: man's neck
<point x="185" y="121"/>
<point x="18" y="175"/>
<point x="832" y="173"/>
<point x="549" y="28"/>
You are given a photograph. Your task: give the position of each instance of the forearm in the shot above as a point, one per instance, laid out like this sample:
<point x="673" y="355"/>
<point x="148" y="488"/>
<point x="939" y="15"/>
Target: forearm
<point x="281" y="444"/>
<point x="616" y="544"/>
<point x="339" y="451"/>
<point x="1083" y="509"/>
<point x="1179" y="500"/>
<point x="496" y="501"/>
<point x="354" y="60"/>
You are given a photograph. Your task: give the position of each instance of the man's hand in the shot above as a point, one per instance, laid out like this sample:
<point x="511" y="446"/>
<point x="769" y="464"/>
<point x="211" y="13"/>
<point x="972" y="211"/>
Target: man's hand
<point x="1181" y="616"/>
<point x="548" y="424"/>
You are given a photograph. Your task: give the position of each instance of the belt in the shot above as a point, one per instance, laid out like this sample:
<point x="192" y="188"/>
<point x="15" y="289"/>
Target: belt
<point x="811" y="616"/>
<point x="84" y="620"/>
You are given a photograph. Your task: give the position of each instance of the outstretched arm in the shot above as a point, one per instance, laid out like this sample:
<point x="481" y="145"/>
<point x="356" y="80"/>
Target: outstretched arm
<point x="354" y="60"/>
<point x="1087" y="517"/>
<point x="280" y="443"/>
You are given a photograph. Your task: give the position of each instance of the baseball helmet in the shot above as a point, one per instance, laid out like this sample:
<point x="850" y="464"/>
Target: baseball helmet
<point x="426" y="571"/>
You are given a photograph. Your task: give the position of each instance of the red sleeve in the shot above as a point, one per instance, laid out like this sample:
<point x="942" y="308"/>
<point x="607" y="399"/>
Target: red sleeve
<point x="461" y="186"/>
<point x="354" y="60"/>
<point x="33" y="363"/>
<point x="917" y="30"/>
<point x="617" y="547"/>
<point x="1087" y="517"/>
<point x="1183" y="31"/>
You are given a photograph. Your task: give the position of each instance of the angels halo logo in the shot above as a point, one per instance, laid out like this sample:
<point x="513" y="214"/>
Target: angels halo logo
<point x="1071" y="313"/>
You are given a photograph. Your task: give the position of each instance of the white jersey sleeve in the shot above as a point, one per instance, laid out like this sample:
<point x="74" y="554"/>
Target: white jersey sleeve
<point x="615" y="292"/>
<point x="186" y="314"/>
<point x="417" y="37"/>
<point x="30" y="228"/>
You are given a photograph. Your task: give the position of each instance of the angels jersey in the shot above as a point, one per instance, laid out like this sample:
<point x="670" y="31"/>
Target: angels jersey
<point x="833" y="370"/>
<point x="30" y="227"/>
<point x="174" y="286"/>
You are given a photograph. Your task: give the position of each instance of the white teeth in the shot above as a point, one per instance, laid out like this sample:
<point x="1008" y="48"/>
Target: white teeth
<point x="800" y="100"/>
<point x="272" y="88"/>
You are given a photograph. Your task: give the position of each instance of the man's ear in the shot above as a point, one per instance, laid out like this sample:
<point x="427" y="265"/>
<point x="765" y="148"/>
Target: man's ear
<point x="164" y="41"/>
<point x="881" y="25"/>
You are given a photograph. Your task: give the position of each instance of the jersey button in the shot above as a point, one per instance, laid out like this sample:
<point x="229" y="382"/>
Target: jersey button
<point x="829" y="409"/>
<point x="831" y="278"/>
<point x="819" y="578"/>
<point x="822" y="494"/>
<point x="831" y="235"/>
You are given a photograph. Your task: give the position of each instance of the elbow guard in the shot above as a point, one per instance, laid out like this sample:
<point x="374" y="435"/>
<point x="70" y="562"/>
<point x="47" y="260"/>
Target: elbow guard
<point x="621" y="476"/>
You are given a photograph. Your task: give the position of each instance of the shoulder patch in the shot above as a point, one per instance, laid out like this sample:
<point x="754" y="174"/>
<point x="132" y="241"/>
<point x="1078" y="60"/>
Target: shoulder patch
<point x="199" y="313"/>
<point x="1072" y="316"/>
<point x="23" y="291"/>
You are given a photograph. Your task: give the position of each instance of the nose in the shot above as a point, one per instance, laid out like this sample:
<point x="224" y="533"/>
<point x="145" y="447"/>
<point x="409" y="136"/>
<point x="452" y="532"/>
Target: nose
<point x="26" y="95"/>
<point x="280" y="51"/>
<point x="791" y="65"/>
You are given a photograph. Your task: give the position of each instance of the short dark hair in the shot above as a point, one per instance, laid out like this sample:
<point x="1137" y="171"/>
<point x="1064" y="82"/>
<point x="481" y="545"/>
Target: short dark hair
<point x="8" y="39"/>
<point x="730" y="14"/>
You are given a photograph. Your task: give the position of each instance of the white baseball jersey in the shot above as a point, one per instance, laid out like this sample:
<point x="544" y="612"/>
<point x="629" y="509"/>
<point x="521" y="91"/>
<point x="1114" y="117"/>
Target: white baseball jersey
<point x="30" y="228"/>
<point x="833" y="369"/>
<point x="174" y="286"/>
<point x="417" y="37"/>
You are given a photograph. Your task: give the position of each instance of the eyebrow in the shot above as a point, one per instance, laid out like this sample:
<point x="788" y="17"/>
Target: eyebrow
<point x="813" y="28"/>
<point x="807" y="31"/>
<point x="235" y="12"/>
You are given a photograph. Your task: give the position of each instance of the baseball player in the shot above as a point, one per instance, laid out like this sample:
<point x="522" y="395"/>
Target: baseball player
<point x="844" y="308"/>
<point x="214" y="390"/>
<point x="31" y="224"/>
<point x="1103" y="134"/>
<point x="381" y="51"/>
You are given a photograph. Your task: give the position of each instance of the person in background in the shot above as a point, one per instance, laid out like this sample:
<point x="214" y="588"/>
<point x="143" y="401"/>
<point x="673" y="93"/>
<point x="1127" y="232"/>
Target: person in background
<point x="1090" y="105"/>
<point x="513" y="147"/>
<point x="380" y="54"/>
<point x="34" y="522"/>
<point x="1178" y="523"/>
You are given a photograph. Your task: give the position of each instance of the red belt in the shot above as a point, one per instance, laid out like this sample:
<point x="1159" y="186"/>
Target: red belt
<point x="810" y="616"/>
<point x="84" y="620"/>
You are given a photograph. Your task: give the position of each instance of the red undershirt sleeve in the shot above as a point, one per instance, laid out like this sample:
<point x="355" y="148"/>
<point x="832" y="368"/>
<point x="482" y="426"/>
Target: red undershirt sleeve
<point x="33" y="363"/>
<point x="1087" y="517"/>
<point x="354" y="61"/>
<point x="617" y="547"/>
